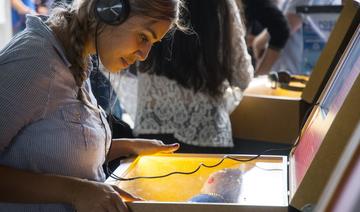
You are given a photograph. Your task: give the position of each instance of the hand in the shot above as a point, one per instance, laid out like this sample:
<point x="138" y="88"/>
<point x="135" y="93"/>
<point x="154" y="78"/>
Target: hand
<point x="152" y="146"/>
<point x="42" y="10"/>
<point x="226" y="183"/>
<point x="124" y="147"/>
<point x="92" y="196"/>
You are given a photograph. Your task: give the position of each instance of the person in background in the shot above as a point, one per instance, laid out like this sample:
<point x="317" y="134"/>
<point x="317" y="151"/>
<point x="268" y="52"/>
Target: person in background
<point x="43" y="6"/>
<point x="19" y="8"/>
<point x="290" y="59"/>
<point x="54" y="138"/>
<point x="184" y="85"/>
<point x="267" y="32"/>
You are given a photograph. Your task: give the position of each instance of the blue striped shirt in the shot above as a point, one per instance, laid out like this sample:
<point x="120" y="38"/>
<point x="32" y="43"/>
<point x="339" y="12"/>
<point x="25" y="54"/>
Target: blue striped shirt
<point x="44" y="128"/>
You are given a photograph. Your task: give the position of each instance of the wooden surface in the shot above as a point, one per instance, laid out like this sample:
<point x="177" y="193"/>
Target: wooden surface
<point x="262" y="86"/>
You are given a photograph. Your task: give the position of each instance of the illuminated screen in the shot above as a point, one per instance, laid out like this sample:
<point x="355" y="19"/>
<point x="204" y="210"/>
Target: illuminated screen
<point x="344" y="79"/>
<point x="346" y="72"/>
<point x="263" y="181"/>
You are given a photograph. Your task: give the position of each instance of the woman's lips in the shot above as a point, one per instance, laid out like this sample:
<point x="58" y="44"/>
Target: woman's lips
<point x="124" y="62"/>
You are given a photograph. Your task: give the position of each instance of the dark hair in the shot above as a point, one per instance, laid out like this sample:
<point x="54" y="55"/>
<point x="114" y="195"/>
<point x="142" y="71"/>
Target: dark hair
<point x="201" y="60"/>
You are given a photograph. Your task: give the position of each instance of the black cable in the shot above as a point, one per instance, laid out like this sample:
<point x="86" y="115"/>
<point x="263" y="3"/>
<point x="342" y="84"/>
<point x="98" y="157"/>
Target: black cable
<point x="97" y="66"/>
<point x="185" y="173"/>
<point x="302" y="125"/>
<point x="115" y="177"/>
<point x="111" y="127"/>
<point x="198" y="168"/>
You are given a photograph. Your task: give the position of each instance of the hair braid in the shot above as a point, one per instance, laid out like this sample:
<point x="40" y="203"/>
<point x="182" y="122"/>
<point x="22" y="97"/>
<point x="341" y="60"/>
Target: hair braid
<point x="73" y="27"/>
<point x="78" y="32"/>
<point x="76" y="52"/>
<point x="76" y="23"/>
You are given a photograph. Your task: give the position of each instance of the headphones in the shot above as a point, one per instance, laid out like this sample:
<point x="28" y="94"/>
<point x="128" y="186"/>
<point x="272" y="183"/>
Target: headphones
<point x="284" y="78"/>
<point x="280" y="77"/>
<point x="112" y="12"/>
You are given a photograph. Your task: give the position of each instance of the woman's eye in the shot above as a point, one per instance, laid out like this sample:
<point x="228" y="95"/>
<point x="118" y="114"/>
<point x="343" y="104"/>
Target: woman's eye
<point x="144" y="38"/>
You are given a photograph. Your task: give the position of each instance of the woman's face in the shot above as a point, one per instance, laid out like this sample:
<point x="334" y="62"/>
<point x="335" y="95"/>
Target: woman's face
<point x="120" y="46"/>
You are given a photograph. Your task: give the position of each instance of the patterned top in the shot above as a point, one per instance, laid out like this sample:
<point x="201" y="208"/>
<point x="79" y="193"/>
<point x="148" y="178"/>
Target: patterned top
<point x="43" y="126"/>
<point x="163" y="106"/>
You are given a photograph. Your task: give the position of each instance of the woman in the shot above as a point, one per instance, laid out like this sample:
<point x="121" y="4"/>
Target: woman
<point x="181" y="95"/>
<point x="266" y="45"/>
<point x="53" y="137"/>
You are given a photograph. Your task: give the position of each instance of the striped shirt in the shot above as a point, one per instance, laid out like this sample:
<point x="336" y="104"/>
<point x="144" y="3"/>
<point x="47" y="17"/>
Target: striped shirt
<point x="44" y="128"/>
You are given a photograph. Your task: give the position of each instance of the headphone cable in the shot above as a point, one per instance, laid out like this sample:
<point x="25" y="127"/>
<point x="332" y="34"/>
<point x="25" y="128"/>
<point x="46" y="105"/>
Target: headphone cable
<point x="116" y="177"/>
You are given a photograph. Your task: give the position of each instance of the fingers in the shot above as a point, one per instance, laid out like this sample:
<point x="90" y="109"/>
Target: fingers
<point x="125" y="195"/>
<point x="114" y="201"/>
<point x="114" y="206"/>
<point x="166" y="148"/>
<point x="119" y="205"/>
<point x="153" y="146"/>
<point x="170" y="148"/>
<point x="144" y="140"/>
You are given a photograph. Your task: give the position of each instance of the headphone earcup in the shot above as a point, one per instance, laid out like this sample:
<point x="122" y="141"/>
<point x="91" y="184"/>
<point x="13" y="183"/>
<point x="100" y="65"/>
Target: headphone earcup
<point x="273" y="76"/>
<point x="284" y="77"/>
<point x="112" y="12"/>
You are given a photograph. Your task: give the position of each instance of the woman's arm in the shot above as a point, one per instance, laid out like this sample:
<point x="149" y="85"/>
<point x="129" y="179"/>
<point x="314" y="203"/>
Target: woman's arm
<point x="268" y="59"/>
<point x="27" y="187"/>
<point x="19" y="186"/>
<point x="125" y="147"/>
<point x="276" y="34"/>
<point x="243" y="70"/>
<point x="295" y="22"/>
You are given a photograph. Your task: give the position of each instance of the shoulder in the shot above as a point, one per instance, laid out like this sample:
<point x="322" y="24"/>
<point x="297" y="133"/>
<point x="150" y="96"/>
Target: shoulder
<point x="29" y="61"/>
<point x="28" y="53"/>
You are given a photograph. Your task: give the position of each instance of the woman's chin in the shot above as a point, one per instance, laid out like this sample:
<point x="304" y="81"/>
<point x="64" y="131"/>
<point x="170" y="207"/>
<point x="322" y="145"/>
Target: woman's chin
<point x="114" y="69"/>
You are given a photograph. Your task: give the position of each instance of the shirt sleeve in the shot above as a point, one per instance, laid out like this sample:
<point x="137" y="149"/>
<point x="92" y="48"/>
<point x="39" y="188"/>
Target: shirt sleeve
<point x="23" y="92"/>
<point x="271" y="18"/>
<point x="242" y="68"/>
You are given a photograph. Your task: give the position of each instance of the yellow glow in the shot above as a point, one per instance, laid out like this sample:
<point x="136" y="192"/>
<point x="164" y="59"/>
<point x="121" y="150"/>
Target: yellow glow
<point x="263" y="86"/>
<point x="180" y="188"/>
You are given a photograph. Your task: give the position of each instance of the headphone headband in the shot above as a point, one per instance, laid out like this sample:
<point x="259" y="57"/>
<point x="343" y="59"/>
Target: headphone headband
<point x="112" y="12"/>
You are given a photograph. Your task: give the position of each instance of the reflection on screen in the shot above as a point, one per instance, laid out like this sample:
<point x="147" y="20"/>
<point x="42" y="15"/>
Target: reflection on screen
<point x="349" y="69"/>
<point x="259" y="182"/>
<point x="338" y="88"/>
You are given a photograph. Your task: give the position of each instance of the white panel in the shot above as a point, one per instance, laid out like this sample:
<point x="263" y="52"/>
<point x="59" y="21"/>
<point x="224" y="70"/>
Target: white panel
<point x="5" y="22"/>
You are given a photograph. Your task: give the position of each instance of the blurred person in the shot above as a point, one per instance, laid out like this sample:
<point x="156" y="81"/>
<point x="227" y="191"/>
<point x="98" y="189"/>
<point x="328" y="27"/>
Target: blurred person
<point x="267" y="32"/>
<point x="19" y="8"/>
<point x="290" y="59"/>
<point x="190" y="84"/>
<point x="54" y="137"/>
<point x="43" y="6"/>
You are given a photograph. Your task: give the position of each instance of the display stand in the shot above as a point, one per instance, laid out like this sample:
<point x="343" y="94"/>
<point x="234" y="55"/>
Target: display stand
<point x="323" y="139"/>
<point x="277" y="115"/>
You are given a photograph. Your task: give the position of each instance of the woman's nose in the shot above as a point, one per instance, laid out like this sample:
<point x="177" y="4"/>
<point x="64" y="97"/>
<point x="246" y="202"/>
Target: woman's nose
<point x="143" y="52"/>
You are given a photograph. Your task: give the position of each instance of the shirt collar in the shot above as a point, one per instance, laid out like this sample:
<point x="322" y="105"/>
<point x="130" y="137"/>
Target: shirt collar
<point x="37" y="25"/>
